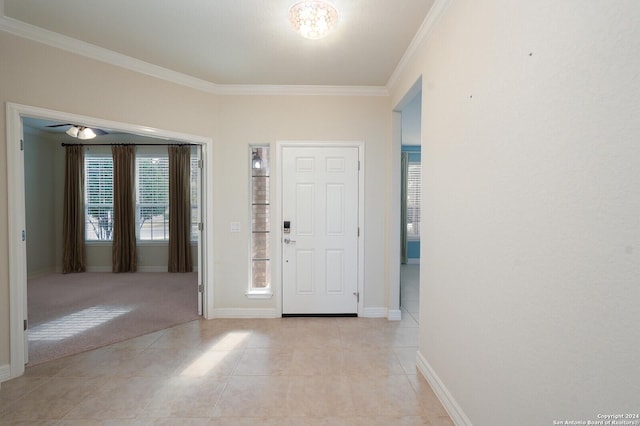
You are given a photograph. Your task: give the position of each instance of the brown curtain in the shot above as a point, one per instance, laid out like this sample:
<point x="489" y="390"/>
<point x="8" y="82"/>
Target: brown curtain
<point x="124" y="208"/>
<point x="180" y="209"/>
<point x="73" y="259"/>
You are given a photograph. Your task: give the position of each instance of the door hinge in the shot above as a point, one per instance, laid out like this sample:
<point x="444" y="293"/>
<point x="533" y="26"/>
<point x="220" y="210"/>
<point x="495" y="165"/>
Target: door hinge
<point x="200" y="163"/>
<point x="358" y="165"/>
<point x="200" y="226"/>
<point x="21" y="145"/>
<point x="200" y="288"/>
<point x="358" y="231"/>
<point x="24" y="235"/>
<point x="25" y="325"/>
<point x="357" y="295"/>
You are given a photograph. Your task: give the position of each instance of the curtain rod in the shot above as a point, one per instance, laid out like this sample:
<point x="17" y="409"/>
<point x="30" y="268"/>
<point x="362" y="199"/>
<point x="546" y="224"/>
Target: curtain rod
<point x="134" y="144"/>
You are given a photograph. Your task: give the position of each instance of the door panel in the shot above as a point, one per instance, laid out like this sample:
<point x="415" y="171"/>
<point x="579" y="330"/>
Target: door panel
<point x="320" y="254"/>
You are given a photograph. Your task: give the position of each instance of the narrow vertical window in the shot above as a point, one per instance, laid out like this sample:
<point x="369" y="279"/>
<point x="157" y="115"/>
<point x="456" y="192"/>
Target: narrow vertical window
<point x="98" y="197"/>
<point x="260" y="221"/>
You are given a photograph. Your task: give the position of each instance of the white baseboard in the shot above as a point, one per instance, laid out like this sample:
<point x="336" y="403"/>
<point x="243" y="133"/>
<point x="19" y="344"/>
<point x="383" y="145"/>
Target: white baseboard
<point x="450" y="404"/>
<point x="98" y="268"/>
<point x="245" y="313"/>
<point x="5" y="373"/>
<point x="374" y="313"/>
<point x="140" y="269"/>
<point x="394" y="315"/>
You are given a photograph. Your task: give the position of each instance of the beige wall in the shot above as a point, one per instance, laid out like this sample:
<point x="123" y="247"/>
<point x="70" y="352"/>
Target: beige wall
<point x="531" y="163"/>
<point x="41" y="76"/>
<point x="40" y="202"/>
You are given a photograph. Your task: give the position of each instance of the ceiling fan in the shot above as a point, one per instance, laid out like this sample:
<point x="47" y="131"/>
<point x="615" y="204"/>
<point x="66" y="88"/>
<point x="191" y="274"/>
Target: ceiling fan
<point x="80" y="132"/>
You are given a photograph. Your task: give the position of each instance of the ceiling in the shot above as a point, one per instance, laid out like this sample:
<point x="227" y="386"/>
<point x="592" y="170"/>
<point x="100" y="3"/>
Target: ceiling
<point x="234" y="42"/>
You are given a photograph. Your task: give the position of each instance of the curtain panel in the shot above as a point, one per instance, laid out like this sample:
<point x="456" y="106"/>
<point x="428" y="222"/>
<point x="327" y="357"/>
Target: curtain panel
<point x="73" y="256"/>
<point x="180" y="209"/>
<point x="124" y="208"/>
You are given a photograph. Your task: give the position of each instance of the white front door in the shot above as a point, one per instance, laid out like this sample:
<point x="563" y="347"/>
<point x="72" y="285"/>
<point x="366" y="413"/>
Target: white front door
<point x="320" y="210"/>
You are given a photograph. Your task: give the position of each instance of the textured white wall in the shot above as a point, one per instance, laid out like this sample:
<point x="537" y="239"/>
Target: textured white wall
<point x="531" y="277"/>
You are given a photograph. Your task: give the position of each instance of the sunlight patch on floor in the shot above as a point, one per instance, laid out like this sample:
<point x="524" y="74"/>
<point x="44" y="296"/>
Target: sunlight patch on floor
<point x="76" y="323"/>
<point x="213" y="356"/>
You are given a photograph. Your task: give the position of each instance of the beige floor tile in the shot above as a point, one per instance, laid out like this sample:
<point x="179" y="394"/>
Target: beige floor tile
<point x="208" y="363"/>
<point x="384" y="396"/>
<point x="141" y="342"/>
<point x="407" y="358"/>
<point x="51" y="368"/>
<point x="395" y="421"/>
<point x="272" y="337"/>
<point x="185" y="397"/>
<point x="375" y="362"/>
<point x="51" y="400"/>
<point x="4" y="422"/>
<point x="118" y="398"/>
<point x="428" y="400"/>
<point x="253" y="396"/>
<point x="313" y="362"/>
<point x="255" y="421"/>
<point x="98" y="363"/>
<point x="265" y="362"/>
<point x="319" y="396"/>
<point x="153" y="362"/>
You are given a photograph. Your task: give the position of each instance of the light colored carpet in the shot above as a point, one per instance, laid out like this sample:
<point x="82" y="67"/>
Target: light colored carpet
<point x="76" y="312"/>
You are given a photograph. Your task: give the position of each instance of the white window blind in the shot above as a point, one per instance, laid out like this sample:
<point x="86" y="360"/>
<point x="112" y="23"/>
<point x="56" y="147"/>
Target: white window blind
<point x="152" y="198"/>
<point x="195" y="170"/>
<point x="414" y="189"/>
<point x="98" y="198"/>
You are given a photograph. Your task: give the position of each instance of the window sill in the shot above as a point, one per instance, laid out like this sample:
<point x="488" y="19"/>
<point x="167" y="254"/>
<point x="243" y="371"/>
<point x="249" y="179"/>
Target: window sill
<point x="259" y="294"/>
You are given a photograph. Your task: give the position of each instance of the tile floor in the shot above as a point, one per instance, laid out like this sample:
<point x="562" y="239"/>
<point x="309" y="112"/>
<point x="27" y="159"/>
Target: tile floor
<point x="289" y="371"/>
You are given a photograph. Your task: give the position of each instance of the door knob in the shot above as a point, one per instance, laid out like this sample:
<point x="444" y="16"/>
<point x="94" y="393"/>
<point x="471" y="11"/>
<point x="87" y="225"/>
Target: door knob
<point x="288" y="240"/>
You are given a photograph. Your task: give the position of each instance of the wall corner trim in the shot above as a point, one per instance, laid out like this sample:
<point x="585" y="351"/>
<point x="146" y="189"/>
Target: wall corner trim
<point x="429" y="22"/>
<point x="394" y="315"/>
<point x="454" y="410"/>
<point x="374" y="313"/>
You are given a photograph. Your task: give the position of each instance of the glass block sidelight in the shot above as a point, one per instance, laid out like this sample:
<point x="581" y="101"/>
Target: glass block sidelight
<point x="260" y="219"/>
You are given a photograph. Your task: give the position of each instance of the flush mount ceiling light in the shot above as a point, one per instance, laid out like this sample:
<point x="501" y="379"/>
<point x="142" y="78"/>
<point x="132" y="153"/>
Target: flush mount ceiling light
<point x="313" y="19"/>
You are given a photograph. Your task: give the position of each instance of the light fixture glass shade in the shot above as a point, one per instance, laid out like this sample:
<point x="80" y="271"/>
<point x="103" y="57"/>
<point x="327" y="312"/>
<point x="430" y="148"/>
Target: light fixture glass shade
<point x="313" y="19"/>
<point x="86" y="133"/>
<point x="73" y="131"/>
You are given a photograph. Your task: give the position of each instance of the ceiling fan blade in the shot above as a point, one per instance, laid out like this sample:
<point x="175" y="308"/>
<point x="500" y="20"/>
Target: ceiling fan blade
<point x="99" y="132"/>
<point x="60" y="125"/>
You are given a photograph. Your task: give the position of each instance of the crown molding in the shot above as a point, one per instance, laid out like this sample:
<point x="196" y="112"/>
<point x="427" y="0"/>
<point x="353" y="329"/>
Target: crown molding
<point x="78" y="47"/>
<point x="436" y="11"/>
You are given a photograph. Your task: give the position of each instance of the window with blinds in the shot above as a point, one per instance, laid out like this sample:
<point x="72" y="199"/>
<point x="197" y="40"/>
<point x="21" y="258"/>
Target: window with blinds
<point x="152" y="196"/>
<point x="98" y="190"/>
<point x="414" y="189"/>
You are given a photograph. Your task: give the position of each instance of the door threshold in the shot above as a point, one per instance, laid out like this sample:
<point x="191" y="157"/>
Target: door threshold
<point x="319" y="315"/>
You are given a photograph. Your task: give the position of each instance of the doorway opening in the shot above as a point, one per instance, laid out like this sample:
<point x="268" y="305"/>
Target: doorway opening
<point x="20" y="118"/>
<point x="406" y="188"/>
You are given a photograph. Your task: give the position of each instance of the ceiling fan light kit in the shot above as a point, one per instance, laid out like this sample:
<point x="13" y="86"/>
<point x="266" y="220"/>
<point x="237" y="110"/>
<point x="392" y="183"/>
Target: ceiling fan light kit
<point x="313" y="19"/>
<point x="81" y="132"/>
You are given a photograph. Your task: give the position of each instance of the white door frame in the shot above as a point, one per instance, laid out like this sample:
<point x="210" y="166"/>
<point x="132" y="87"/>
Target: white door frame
<point x="17" y="223"/>
<point x="277" y="223"/>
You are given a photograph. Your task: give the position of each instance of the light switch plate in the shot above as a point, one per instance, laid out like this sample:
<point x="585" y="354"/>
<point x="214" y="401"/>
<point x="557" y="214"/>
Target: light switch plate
<point x="235" y="226"/>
